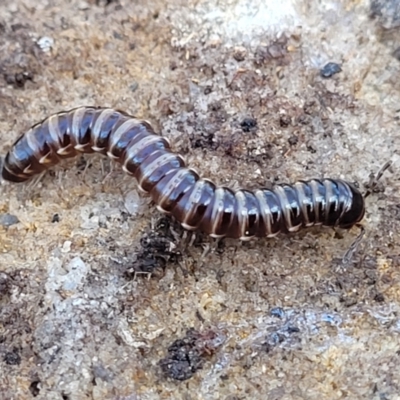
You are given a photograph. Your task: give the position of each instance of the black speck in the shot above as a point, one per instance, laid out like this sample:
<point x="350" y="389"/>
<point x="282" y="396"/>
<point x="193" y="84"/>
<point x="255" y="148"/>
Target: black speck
<point x="200" y="317"/>
<point x="81" y="163"/>
<point x="330" y="69"/>
<point x="105" y="3"/>
<point x="304" y="120"/>
<point x="311" y="148"/>
<point x="214" y="106"/>
<point x="124" y="216"/>
<point x="133" y="86"/>
<point x="173" y="65"/>
<point x="249" y="125"/>
<point x="12" y="358"/>
<point x="205" y="141"/>
<point x="34" y="388"/>
<point x="5" y="285"/>
<point x="102" y="225"/>
<point x="293" y="140"/>
<point x="379" y="297"/>
<point x="56" y="218"/>
<point x="293" y="329"/>
<point x="284" y="121"/>
<point x="117" y="35"/>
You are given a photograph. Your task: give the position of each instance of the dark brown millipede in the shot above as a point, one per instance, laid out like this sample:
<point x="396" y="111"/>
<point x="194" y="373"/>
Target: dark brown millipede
<point x="197" y="203"/>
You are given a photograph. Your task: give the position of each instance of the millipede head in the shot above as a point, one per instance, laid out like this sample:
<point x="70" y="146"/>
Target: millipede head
<point x="354" y="211"/>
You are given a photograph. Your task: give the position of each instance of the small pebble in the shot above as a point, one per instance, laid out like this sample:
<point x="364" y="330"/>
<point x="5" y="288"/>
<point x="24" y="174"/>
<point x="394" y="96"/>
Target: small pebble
<point x="45" y="43"/>
<point x="8" y="219"/>
<point x="66" y="248"/>
<point x="239" y="53"/>
<point x="330" y="69"/>
<point x="133" y="86"/>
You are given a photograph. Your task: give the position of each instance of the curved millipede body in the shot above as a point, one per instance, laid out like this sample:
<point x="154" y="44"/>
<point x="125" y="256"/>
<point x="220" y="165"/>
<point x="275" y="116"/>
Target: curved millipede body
<point x="197" y="203"/>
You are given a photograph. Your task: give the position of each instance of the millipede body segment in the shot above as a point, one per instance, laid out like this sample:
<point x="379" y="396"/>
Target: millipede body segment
<point x="197" y="203"/>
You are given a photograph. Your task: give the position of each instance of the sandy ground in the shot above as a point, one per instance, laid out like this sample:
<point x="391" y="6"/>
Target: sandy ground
<point x="236" y="86"/>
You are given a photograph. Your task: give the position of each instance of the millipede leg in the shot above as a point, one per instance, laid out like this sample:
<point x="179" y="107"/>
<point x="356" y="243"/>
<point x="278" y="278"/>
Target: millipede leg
<point x="210" y="247"/>
<point x="353" y="247"/>
<point x="373" y="180"/>
<point x="187" y="239"/>
<point x="35" y="181"/>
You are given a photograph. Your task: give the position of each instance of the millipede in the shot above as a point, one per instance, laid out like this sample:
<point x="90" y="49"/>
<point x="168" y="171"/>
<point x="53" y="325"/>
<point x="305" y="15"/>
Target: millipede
<point x="195" y="202"/>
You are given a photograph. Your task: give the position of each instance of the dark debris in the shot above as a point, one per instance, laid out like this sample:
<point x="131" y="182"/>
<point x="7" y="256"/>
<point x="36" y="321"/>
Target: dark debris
<point x="18" y="79"/>
<point x="157" y="247"/>
<point x="273" y="51"/>
<point x="204" y="141"/>
<point x="188" y="355"/>
<point x="34" y="388"/>
<point x="104" y="3"/>
<point x="293" y="140"/>
<point x="249" y="125"/>
<point x="12" y="357"/>
<point x="285" y="121"/>
<point x="6" y="283"/>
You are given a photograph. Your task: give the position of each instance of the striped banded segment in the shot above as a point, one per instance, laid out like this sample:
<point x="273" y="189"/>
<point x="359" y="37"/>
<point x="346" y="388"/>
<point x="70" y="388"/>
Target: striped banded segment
<point x="197" y="203"/>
